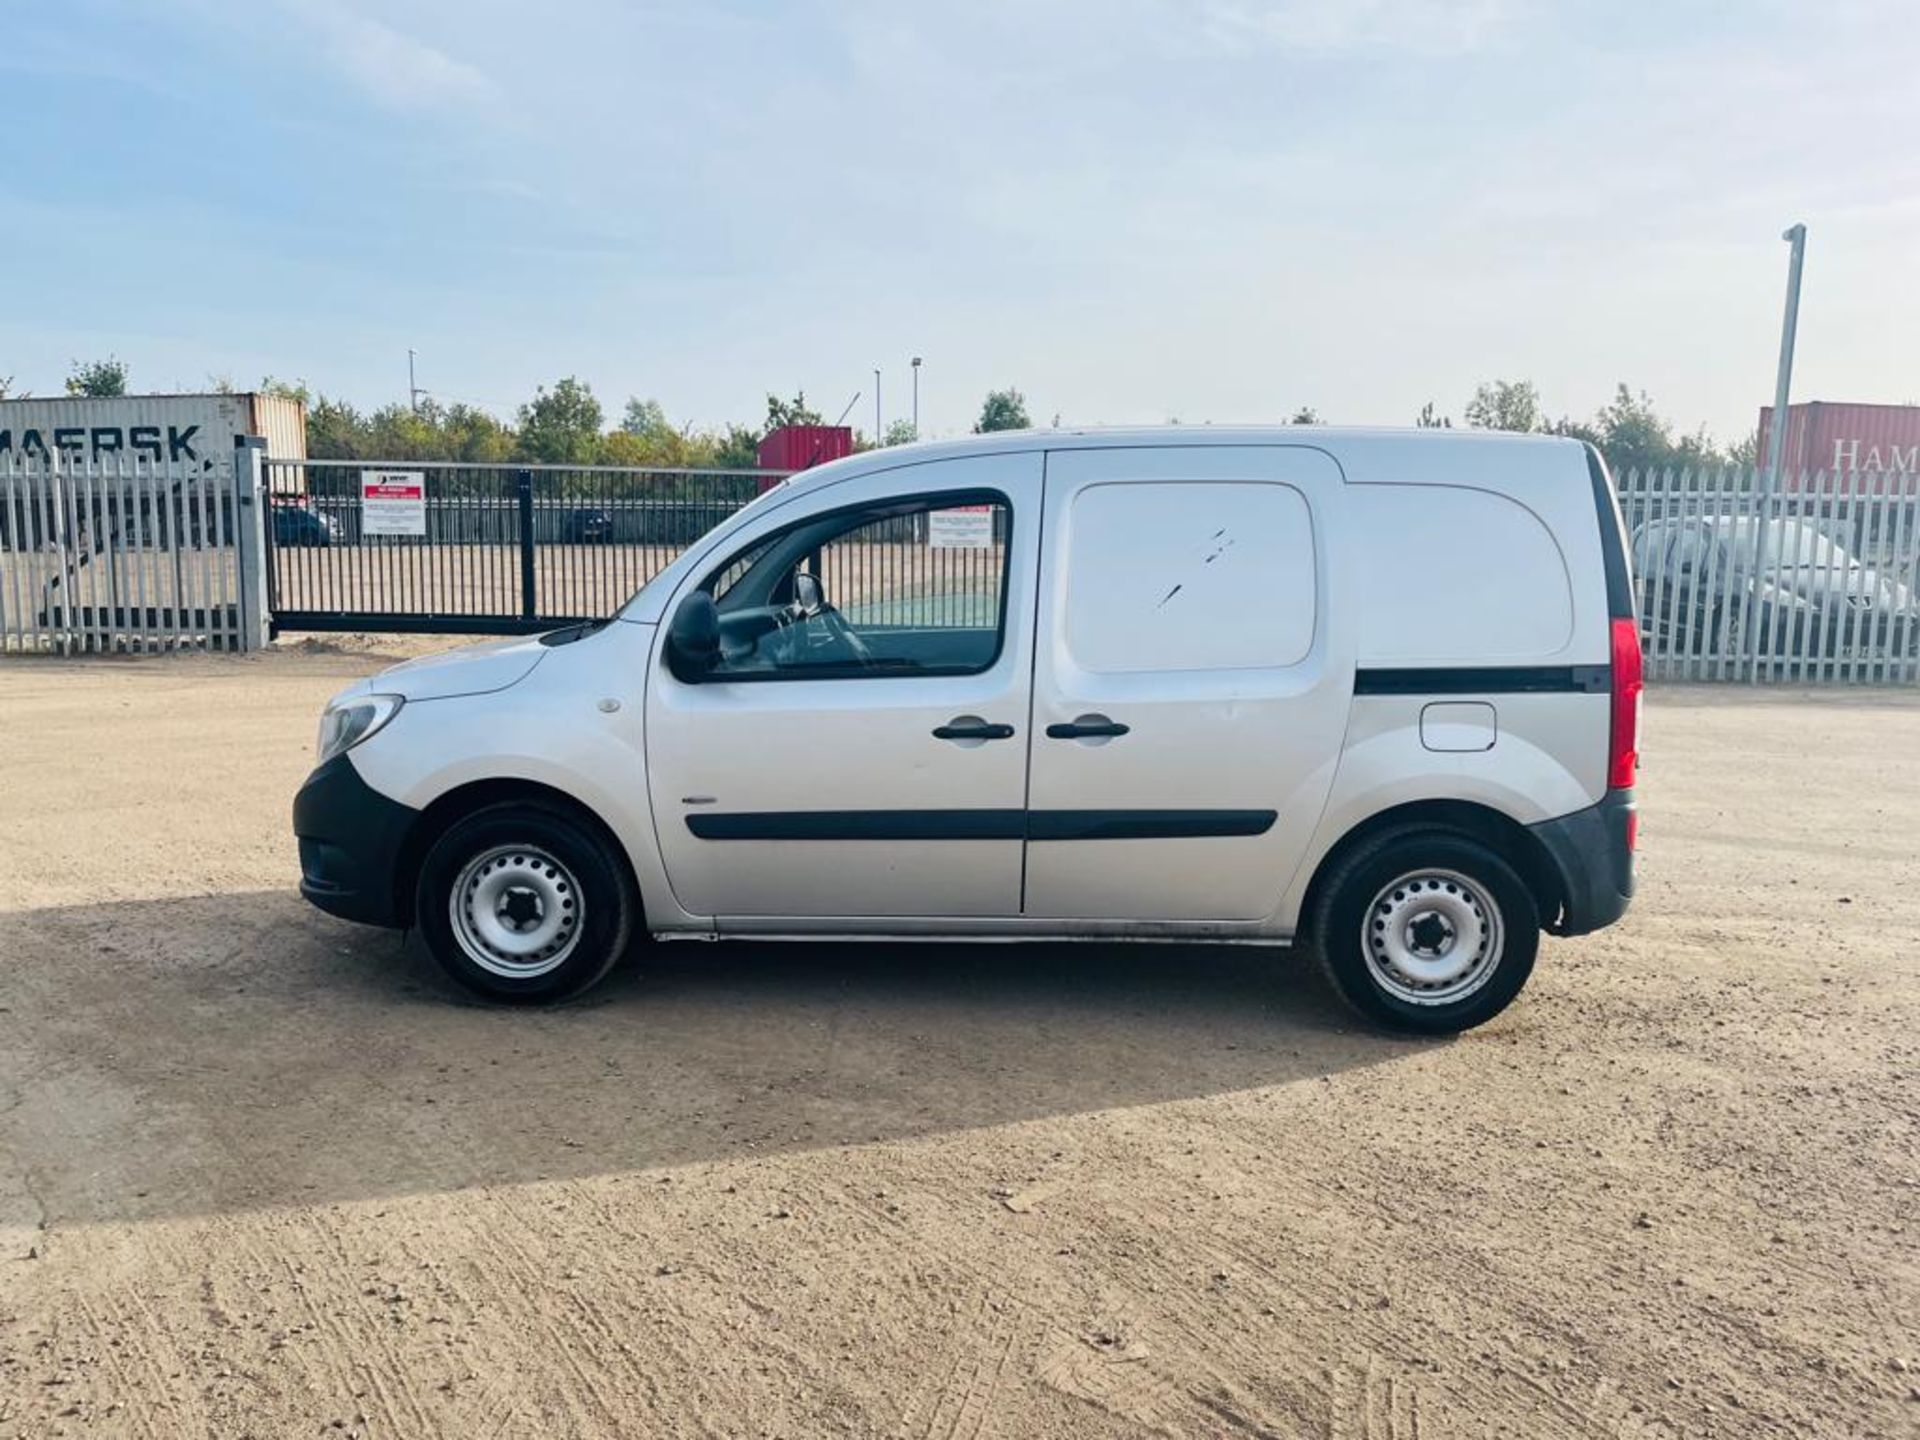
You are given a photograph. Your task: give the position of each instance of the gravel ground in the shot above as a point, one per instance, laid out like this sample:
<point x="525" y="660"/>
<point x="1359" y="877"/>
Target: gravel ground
<point x="262" y="1173"/>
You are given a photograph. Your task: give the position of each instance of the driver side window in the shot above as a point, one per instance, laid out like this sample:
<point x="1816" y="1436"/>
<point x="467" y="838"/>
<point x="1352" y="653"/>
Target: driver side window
<point x="903" y="587"/>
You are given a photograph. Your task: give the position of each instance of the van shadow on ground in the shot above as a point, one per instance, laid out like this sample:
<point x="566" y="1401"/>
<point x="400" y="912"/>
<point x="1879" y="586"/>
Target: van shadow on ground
<point x="234" y="1051"/>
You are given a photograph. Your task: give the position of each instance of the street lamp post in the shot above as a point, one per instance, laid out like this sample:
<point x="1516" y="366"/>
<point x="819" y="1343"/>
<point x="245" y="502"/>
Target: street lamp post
<point x="916" y="397"/>
<point x="1796" y="236"/>
<point x="876" y="406"/>
<point x="1783" y="383"/>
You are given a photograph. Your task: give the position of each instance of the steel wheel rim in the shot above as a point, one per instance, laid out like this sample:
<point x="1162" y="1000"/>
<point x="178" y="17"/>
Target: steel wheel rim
<point x="516" y="911"/>
<point x="1432" y="937"/>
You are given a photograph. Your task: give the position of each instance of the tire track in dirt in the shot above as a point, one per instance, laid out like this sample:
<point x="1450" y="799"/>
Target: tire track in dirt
<point x="392" y="1379"/>
<point x="108" y="1336"/>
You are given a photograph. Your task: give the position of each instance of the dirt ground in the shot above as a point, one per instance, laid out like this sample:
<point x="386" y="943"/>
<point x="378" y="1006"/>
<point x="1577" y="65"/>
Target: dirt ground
<point x="263" y="1174"/>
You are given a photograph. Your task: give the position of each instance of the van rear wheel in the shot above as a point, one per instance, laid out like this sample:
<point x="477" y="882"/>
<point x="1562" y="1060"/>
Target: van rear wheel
<point x="524" y="903"/>
<point x="1427" y="931"/>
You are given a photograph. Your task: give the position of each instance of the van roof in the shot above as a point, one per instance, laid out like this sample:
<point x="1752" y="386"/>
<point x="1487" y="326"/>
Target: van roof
<point x="1364" y="449"/>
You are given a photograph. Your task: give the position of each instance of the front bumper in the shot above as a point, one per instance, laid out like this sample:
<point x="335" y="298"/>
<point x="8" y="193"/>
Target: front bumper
<point x="1592" y="855"/>
<point x="351" y="837"/>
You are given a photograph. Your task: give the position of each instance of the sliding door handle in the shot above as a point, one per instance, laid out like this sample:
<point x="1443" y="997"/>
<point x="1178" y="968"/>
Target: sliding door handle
<point x="1087" y="727"/>
<point x="971" y="727"/>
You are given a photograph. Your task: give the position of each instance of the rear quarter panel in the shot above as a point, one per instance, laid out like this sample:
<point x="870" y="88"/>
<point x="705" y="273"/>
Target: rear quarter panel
<point x="1496" y="562"/>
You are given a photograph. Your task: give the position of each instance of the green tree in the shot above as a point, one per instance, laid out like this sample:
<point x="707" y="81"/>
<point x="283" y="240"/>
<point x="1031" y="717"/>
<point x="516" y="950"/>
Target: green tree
<point x="790" y="412"/>
<point x="1505" y="405"/>
<point x="1430" y="418"/>
<point x="286" y="389"/>
<point x="1306" y="415"/>
<point x="1575" y="429"/>
<point x="1633" y="435"/>
<point x="737" y="449"/>
<point x="98" y="377"/>
<point x="400" y="432"/>
<point x="335" y="431"/>
<point x="561" y="426"/>
<point x="900" y="432"/>
<point x="647" y="437"/>
<point x="469" y="433"/>
<point x="644" y="417"/>
<point x="1003" y="410"/>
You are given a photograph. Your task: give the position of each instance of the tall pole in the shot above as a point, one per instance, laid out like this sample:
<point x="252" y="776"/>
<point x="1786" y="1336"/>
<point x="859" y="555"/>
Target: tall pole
<point x="1796" y="236"/>
<point x="916" y="397"/>
<point x="413" y="390"/>
<point x="876" y="406"/>
<point x="1783" y="385"/>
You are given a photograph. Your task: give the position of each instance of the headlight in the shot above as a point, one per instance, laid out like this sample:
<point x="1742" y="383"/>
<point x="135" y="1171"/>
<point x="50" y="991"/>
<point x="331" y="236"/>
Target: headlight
<point x="344" y="726"/>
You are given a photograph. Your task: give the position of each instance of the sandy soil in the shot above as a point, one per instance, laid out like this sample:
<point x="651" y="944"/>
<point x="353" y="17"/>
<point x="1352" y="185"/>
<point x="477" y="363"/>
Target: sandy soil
<point x="262" y="1174"/>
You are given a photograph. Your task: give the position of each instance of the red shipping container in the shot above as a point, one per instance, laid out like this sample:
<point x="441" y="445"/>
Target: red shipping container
<point x="1878" y="443"/>
<point x="801" y="447"/>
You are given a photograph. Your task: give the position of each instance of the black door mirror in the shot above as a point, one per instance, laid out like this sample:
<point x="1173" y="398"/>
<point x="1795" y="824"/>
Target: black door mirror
<point x="693" y="638"/>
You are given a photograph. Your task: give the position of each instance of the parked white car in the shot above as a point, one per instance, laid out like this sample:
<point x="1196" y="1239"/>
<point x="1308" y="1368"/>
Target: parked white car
<point x="1373" y="694"/>
<point x="1809" y="595"/>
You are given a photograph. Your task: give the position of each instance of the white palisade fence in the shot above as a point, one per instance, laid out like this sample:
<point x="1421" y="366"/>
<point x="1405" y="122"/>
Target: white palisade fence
<point x="1812" y="579"/>
<point x="121" y="554"/>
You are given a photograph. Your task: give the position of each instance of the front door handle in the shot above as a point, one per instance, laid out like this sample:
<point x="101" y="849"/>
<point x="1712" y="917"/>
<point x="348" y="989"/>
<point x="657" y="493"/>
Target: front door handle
<point x="1087" y="727"/>
<point x="971" y="727"/>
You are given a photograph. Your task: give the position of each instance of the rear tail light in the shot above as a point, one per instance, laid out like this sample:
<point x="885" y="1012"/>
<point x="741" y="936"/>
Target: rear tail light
<point x="1623" y="749"/>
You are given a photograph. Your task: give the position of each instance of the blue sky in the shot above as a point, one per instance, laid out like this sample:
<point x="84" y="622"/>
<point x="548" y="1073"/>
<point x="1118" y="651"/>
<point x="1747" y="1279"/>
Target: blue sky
<point x="1132" y="209"/>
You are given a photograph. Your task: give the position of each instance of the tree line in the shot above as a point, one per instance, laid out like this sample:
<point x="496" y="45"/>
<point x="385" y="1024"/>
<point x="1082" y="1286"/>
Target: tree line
<point x="565" y="424"/>
<point x="1628" y="429"/>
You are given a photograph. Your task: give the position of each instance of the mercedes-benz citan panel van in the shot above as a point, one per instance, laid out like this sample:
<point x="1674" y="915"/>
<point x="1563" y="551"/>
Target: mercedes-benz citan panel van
<point x="1370" y="694"/>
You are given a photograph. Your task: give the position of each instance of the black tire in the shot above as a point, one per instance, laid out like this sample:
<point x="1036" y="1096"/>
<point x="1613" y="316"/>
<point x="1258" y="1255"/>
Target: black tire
<point x="1339" y="928"/>
<point x="566" y="860"/>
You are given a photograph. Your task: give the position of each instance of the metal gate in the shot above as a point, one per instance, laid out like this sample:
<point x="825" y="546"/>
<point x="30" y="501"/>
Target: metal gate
<point x="506" y="549"/>
<point x="122" y="553"/>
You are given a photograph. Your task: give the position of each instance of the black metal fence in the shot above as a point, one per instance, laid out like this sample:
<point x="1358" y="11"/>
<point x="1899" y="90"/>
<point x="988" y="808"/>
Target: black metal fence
<point x="502" y="548"/>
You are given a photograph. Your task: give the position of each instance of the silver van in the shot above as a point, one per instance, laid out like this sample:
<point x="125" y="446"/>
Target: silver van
<point x="1370" y="694"/>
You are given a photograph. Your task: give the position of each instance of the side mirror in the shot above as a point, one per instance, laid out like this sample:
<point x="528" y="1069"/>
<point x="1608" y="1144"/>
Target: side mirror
<point x="808" y="597"/>
<point x="693" y="638"/>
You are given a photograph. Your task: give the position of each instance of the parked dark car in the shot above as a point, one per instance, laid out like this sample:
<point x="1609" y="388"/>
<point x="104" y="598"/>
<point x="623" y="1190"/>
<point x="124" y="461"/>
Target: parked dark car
<point x="1699" y="574"/>
<point x="296" y="525"/>
<point x="586" y="527"/>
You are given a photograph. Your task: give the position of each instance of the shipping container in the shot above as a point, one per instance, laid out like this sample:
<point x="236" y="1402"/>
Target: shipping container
<point x="800" y="447"/>
<point x="1877" y="443"/>
<point x="172" y="428"/>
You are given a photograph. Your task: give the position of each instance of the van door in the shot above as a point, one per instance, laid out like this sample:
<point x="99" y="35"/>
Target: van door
<point x="860" y="748"/>
<point x="1191" y="686"/>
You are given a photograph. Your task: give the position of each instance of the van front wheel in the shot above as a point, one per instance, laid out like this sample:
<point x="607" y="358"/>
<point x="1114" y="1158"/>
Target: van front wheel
<point x="1431" y="932"/>
<point x="524" y="903"/>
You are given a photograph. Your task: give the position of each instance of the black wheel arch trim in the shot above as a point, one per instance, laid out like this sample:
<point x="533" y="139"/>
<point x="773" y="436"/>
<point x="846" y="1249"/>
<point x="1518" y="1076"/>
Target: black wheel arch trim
<point x="1573" y="864"/>
<point x="361" y="851"/>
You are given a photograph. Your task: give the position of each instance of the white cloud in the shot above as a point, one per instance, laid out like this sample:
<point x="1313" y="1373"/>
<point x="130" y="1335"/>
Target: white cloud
<point x="1432" y="27"/>
<point x="395" y="68"/>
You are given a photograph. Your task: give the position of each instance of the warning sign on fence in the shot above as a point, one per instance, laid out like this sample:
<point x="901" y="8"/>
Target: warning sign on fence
<point x="964" y="527"/>
<point x="393" y="502"/>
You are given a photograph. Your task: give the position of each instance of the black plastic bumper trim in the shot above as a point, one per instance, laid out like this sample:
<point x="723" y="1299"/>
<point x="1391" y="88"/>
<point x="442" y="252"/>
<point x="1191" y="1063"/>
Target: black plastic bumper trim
<point x="350" y="838"/>
<point x="1592" y="854"/>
